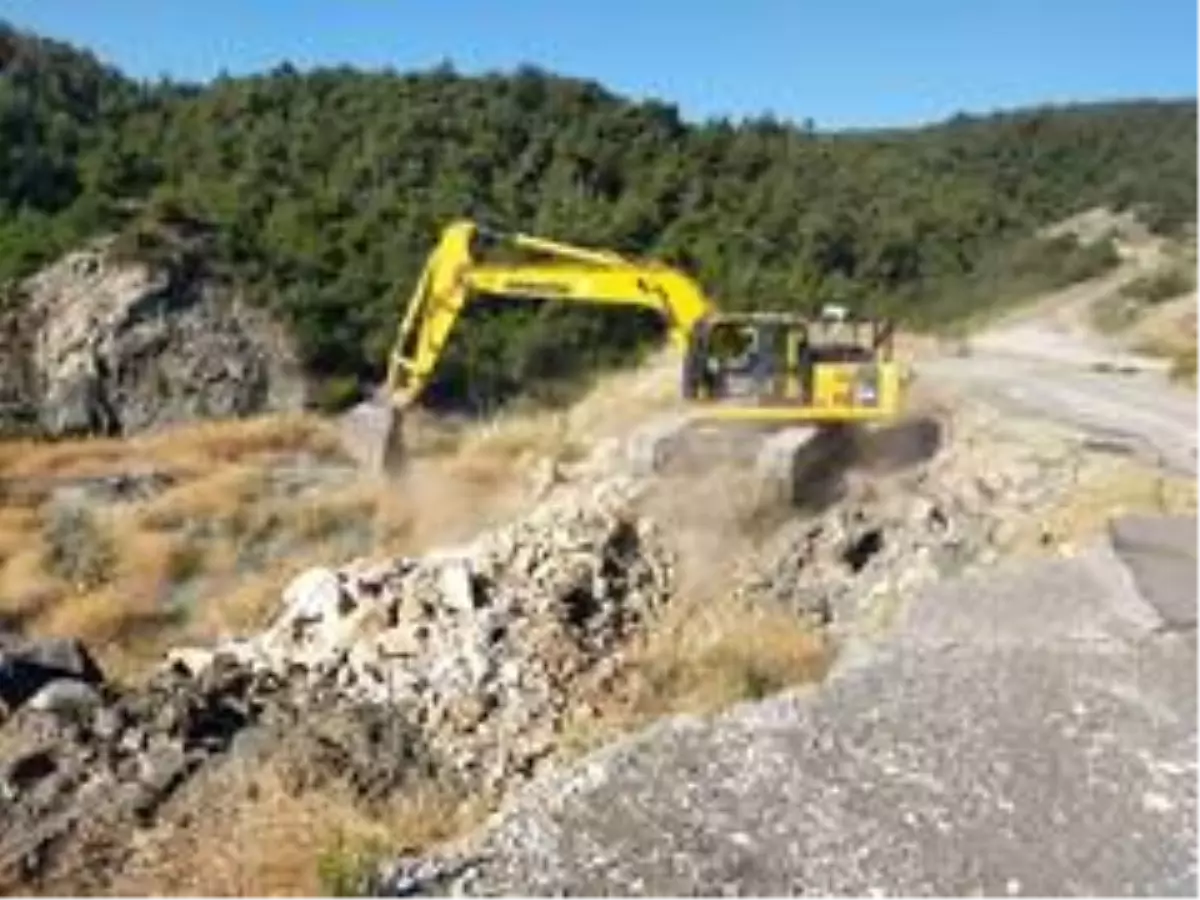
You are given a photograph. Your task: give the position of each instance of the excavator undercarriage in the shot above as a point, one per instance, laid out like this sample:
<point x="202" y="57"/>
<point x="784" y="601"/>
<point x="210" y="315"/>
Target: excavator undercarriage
<point x="776" y="378"/>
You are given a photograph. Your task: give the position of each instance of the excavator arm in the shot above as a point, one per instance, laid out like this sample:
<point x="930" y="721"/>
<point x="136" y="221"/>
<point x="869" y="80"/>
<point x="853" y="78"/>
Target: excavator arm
<point x="453" y="276"/>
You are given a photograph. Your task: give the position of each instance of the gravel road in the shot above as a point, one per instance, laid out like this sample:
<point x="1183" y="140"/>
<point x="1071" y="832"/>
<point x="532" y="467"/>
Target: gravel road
<point x="1036" y="366"/>
<point x="1139" y="411"/>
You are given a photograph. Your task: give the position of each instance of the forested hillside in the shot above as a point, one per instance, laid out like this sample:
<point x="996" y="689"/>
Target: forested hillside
<point x="326" y="188"/>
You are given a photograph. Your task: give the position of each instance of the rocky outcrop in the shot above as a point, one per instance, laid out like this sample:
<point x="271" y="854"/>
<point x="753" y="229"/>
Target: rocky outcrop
<point x="99" y="343"/>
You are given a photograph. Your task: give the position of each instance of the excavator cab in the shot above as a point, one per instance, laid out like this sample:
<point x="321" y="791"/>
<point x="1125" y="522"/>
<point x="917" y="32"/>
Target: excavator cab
<point x="831" y="368"/>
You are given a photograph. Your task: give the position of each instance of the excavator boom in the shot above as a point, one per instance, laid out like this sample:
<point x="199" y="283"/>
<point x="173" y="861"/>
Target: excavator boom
<point x="452" y="277"/>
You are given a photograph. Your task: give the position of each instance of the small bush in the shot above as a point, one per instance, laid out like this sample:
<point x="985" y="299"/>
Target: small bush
<point x="345" y="868"/>
<point x="338" y="393"/>
<point x="1114" y="313"/>
<point x="77" y="549"/>
<point x="1160" y="286"/>
<point x="1057" y="262"/>
<point x="1169" y="217"/>
<point x="1183" y="366"/>
<point x="1083" y="262"/>
<point x="185" y="561"/>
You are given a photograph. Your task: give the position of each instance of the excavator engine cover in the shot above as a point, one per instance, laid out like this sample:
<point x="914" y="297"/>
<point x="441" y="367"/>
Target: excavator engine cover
<point x="777" y="366"/>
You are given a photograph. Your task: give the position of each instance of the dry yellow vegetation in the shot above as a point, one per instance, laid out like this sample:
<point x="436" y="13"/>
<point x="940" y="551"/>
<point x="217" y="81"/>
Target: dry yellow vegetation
<point x="248" y="505"/>
<point x="259" y="837"/>
<point x="108" y="572"/>
<point x="1108" y="487"/>
<point x="251" y="503"/>
<point x="705" y="657"/>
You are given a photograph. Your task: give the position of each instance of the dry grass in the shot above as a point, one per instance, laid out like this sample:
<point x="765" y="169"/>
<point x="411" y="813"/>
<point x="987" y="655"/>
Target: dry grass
<point x="110" y="573"/>
<point x="1178" y="350"/>
<point x="1110" y="487"/>
<point x="1183" y="366"/>
<point x="701" y="659"/>
<point x="197" y="446"/>
<point x="256" y="837"/>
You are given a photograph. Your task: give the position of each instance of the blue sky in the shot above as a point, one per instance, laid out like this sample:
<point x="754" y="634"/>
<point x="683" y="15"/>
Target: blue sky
<point x="840" y="62"/>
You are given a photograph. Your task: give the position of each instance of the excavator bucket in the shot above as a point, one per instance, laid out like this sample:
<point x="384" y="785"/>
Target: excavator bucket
<point x="372" y="434"/>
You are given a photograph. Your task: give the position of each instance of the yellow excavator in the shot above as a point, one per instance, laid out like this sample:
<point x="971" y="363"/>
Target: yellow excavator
<point x="766" y="367"/>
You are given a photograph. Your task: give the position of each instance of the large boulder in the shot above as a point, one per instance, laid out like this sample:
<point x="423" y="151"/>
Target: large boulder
<point x="101" y="343"/>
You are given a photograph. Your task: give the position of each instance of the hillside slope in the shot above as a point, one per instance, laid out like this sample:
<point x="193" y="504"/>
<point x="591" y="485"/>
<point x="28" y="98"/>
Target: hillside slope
<point x="466" y="630"/>
<point x="327" y="187"/>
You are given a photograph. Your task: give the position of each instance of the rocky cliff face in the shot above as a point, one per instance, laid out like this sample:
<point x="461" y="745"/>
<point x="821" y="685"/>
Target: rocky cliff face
<point x="100" y="344"/>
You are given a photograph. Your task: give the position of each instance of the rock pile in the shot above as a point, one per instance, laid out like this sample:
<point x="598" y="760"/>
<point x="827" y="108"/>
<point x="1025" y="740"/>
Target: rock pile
<point x="85" y="765"/>
<point x="459" y="663"/>
<point x="956" y="511"/>
<point x="480" y="646"/>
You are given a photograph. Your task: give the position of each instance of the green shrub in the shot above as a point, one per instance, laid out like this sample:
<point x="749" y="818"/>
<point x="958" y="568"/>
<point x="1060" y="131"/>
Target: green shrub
<point x="337" y="393"/>
<point x="1061" y="261"/>
<point x="345" y="868"/>
<point x="1183" y="366"/>
<point x="1083" y="262"/>
<point x="1165" y="284"/>
<point x="78" y="549"/>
